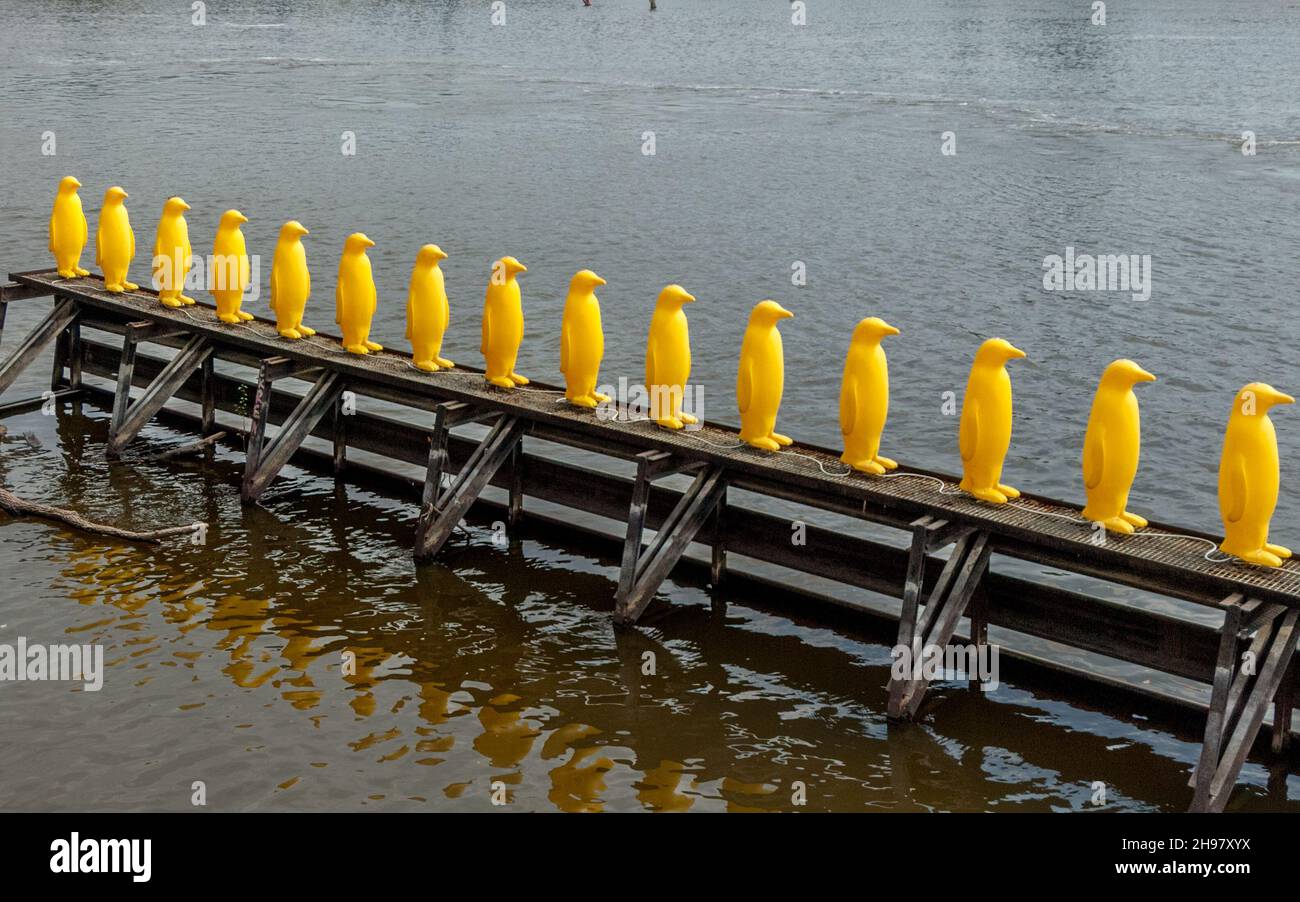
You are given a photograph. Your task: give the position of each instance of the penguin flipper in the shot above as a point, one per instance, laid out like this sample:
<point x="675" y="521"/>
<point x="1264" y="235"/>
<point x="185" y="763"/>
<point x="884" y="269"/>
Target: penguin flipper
<point x="848" y="405"/>
<point x="487" y="330"/>
<point x="275" y="289"/>
<point x="1094" y="457"/>
<point x="743" y="386"/>
<point x="338" y="303"/>
<point x="564" y="348"/>
<point x="85" y="230"/>
<point x="968" y="433"/>
<point x="131" y="232"/>
<point x="650" y="374"/>
<point x="51" y="233"/>
<point x="410" y="313"/>
<point x="1236" y="490"/>
<point x="99" y="247"/>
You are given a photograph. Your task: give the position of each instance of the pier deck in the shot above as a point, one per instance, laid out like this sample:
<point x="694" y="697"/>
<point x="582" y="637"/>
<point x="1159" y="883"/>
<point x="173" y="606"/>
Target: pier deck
<point x="1260" y="605"/>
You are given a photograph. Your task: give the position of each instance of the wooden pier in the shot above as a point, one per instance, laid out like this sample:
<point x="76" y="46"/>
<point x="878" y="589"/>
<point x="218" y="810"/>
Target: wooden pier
<point x="1260" y="606"/>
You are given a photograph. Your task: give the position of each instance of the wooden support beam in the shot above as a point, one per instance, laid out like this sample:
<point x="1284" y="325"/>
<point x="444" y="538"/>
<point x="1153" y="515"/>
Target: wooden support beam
<point x="58" y="319"/>
<point x="920" y="631"/>
<point x="27" y="405"/>
<point x="442" y="509"/>
<point x="129" y="418"/>
<point x="265" y="459"/>
<point x="1244" y="688"/>
<point x="642" y="573"/>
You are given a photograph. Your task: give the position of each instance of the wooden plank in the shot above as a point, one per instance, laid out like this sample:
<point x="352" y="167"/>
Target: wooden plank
<point x="262" y="468"/>
<point x="174" y="374"/>
<point x="58" y="319"/>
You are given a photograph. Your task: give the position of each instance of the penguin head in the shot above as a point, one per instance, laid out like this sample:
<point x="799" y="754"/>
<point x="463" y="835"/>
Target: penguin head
<point x="1125" y="374"/>
<point x="996" y="352"/>
<point x="429" y="255"/>
<point x="356" y="243"/>
<point x="674" y="296"/>
<point x="768" y="313"/>
<point x="871" y="330"/>
<point x="1257" y="397"/>
<point x="68" y="185"/>
<point x="585" y="280"/>
<point x="511" y="266"/>
<point x="232" y="219"/>
<point x="115" y="195"/>
<point x="292" y="230"/>
<point x="174" y="207"/>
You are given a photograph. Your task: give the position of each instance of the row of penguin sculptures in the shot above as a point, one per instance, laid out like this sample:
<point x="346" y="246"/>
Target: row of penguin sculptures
<point x="1249" y="474"/>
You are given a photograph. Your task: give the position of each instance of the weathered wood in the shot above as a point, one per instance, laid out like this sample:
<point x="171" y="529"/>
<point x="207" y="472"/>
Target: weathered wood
<point x="185" y="450"/>
<point x="129" y="420"/>
<point x="439" y="517"/>
<point x="58" y="319"/>
<point x="642" y="573"/>
<point x="20" y="507"/>
<point x="263" y="464"/>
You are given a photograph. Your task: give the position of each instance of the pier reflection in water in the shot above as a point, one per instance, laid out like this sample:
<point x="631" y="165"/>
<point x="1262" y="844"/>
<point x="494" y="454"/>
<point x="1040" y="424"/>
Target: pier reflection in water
<point x="299" y="660"/>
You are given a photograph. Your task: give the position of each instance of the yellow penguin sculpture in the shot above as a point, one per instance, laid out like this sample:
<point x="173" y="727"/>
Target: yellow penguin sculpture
<point x="355" y="297"/>
<point x="503" y="323"/>
<point x="985" y="432"/>
<point x="864" y="397"/>
<point x="115" y="242"/>
<point x="230" y="274"/>
<point x="172" y="254"/>
<point x="290" y="281"/>
<point x="68" y="229"/>
<point x="668" y="358"/>
<point x="427" y="310"/>
<point x="582" y="341"/>
<point x="1110" y="447"/>
<point x="761" y="377"/>
<point x="1249" y="477"/>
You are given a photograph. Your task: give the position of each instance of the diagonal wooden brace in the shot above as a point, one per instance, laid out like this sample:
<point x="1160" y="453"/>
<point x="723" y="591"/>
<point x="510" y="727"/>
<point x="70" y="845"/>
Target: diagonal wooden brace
<point x="129" y="418"/>
<point x="643" y="571"/>
<point x="920" y="630"/>
<point x="55" y="322"/>
<point x="1244" y="687"/>
<point x="264" y="460"/>
<point x="441" y="509"/>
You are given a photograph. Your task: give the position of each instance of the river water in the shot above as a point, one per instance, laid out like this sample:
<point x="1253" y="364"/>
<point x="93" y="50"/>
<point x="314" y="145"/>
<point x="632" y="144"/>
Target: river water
<point x="777" y="148"/>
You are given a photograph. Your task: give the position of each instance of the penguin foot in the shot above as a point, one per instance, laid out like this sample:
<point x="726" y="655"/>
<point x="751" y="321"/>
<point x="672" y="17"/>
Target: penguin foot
<point x="783" y="440"/>
<point x="688" y="419"/>
<point x="1117" y="524"/>
<point x="1008" y="491"/>
<point x="866" y="465"/>
<point x="243" y="316"/>
<point x="130" y="286"/>
<point x="1137" y="521"/>
<point x="292" y="333"/>
<point x="886" y="462"/>
<point x="1259" y="556"/>
<point x="373" y="345"/>
<point x="309" y="332"/>
<point x="993" y="496"/>
<point x="68" y="273"/>
<point x="187" y="300"/>
<point x="600" y="397"/>
<point x="518" y="379"/>
<point x="444" y="362"/>
<point x="81" y="272"/>
<point x="231" y="318"/>
<point x="171" y="302"/>
<point x="670" y="422"/>
<point x="764" y="443"/>
<point x="1280" y="550"/>
<point x="115" y="287"/>
<point x="356" y="349"/>
<point x="502" y="382"/>
<point x="427" y="365"/>
<point x="583" y="401"/>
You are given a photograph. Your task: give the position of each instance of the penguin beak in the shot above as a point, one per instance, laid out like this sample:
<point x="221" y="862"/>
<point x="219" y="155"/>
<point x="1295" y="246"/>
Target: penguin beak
<point x="599" y="281"/>
<point x="1014" y="353"/>
<point x="184" y="206"/>
<point x="519" y="267"/>
<point x="240" y="217"/>
<point x="366" y="242"/>
<point x="890" y="330"/>
<point x="302" y="230"/>
<point x="784" y="314"/>
<point x="439" y="255"/>
<point x="1144" y="376"/>
<point x="1283" y="399"/>
<point x="72" y="180"/>
<point x="687" y="298"/>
